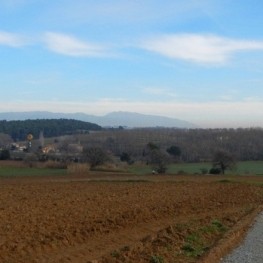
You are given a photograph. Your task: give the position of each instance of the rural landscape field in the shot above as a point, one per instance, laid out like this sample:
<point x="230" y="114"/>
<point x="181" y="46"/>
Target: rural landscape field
<point x="125" y="195"/>
<point x="130" y="131"/>
<point x="122" y="217"/>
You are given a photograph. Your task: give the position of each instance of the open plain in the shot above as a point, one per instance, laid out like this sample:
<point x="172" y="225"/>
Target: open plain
<point x="124" y="218"/>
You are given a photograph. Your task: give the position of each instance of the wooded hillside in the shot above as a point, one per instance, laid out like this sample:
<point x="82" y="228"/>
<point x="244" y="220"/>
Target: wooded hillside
<point x="19" y="130"/>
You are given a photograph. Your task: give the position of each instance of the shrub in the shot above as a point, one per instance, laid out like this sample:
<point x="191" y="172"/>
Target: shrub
<point x="174" y="150"/>
<point x="215" y="170"/>
<point x="96" y="156"/>
<point x="125" y="157"/>
<point x="204" y="171"/>
<point x="54" y="165"/>
<point x="4" y="154"/>
<point x="31" y="159"/>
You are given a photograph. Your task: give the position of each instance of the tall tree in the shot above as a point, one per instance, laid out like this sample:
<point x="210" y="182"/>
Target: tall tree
<point x="158" y="160"/>
<point x="156" y="157"/>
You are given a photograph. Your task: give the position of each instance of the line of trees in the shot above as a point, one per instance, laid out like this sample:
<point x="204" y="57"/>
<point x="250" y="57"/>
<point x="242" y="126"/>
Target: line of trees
<point x="157" y="147"/>
<point x="191" y="145"/>
<point x="194" y="145"/>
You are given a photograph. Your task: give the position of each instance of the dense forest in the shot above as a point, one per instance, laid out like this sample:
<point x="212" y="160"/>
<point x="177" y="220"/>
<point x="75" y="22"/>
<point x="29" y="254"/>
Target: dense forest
<point x="18" y="130"/>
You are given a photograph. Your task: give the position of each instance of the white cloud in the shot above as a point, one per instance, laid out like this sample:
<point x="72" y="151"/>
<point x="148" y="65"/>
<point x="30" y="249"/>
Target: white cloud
<point x="11" y="40"/>
<point x="71" y="46"/>
<point x="198" y="48"/>
<point x="207" y="114"/>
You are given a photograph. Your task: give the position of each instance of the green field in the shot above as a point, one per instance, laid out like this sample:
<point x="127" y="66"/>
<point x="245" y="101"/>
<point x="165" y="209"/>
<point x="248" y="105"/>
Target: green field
<point x="242" y="168"/>
<point x="250" y="167"/>
<point x="25" y="171"/>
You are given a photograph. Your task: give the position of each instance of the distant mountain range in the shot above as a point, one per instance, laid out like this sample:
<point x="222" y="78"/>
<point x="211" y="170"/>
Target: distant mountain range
<point x="114" y="119"/>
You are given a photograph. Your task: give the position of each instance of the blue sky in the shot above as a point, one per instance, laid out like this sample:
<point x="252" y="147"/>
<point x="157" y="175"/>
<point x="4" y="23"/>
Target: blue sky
<point x="196" y="60"/>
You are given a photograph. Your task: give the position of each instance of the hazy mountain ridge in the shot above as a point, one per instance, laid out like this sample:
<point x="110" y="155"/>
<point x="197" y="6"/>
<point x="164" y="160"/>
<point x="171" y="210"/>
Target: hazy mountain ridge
<point x="127" y="119"/>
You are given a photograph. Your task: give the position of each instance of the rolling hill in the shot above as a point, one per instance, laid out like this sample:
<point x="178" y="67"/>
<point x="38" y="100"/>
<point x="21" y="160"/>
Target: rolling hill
<point x="114" y="119"/>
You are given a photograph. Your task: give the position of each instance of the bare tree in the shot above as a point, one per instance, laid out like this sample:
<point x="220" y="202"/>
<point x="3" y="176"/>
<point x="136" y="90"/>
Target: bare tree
<point x="5" y="140"/>
<point x="96" y="156"/>
<point x="41" y="139"/>
<point x="223" y="160"/>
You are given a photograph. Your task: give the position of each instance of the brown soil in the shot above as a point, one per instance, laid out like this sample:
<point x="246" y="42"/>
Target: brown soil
<point x="177" y="219"/>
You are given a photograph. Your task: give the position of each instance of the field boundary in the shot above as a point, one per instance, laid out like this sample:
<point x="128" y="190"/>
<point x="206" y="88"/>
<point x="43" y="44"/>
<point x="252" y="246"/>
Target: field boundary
<point x="232" y="238"/>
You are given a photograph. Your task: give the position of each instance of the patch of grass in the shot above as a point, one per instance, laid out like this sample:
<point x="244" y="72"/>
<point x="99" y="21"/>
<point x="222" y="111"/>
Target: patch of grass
<point x="193" y="251"/>
<point x="156" y="259"/>
<point x="195" y="244"/>
<point x="187" y="168"/>
<point x="208" y="229"/>
<point x="120" y="181"/>
<point x="140" y="169"/>
<point x="188" y="248"/>
<point x="215" y="226"/>
<point x="225" y="181"/>
<point x="250" y="168"/>
<point x="219" y="226"/>
<point x="193" y="237"/>
<point x="115" y="254"/>
<point x="136" y="181"/>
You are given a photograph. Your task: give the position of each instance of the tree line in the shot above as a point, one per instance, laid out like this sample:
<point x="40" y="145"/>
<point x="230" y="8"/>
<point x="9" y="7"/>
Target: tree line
<point x="155" y="146"/>
<point x="18" y="130"/>
<point x="195" y="145"/>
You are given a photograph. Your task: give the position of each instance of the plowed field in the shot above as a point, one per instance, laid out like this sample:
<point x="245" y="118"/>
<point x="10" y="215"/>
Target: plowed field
<point x="80" y="221"/>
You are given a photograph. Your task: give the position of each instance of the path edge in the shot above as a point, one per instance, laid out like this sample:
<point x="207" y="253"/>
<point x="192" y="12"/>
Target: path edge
<point x="232" y="238"/>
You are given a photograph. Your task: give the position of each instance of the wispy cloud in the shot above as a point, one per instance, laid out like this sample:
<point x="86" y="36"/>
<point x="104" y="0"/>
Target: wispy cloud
<point x="11" y="39"/>
<point x="198" y="48"/>
<point x="159" y="92"/>
<point x="230" y="95"/>
<point x="71" y="46"/>
<point x="125" y="12"/>
<point x="226" y="97"/>
<point x="13" y="3"/>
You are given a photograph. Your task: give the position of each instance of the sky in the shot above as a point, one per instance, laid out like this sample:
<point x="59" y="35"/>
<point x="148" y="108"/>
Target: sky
<point x="195" y="60"/>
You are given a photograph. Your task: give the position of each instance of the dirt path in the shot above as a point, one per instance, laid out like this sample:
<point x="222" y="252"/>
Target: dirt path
<point x="233" y="238"/>
<point x="250" y="250"/>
